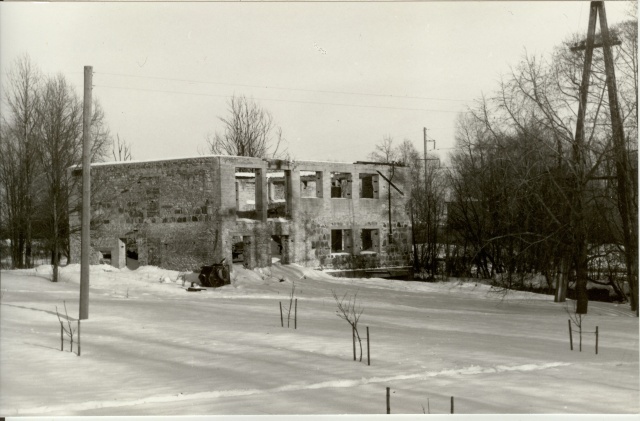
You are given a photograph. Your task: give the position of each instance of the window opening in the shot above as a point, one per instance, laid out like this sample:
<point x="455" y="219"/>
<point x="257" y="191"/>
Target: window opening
<point x="369" y="186"/>
<point x="310" y="184"/>
<point x="341" y="185"/>
<point x="106" y="256"/>
<point x="369" y="239"/>
<point x="341" y="241"/>
<point x="246" y="193"/>
<point x="278" y="193"/>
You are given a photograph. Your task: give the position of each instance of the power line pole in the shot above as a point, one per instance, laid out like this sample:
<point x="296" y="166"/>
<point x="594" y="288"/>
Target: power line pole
<point x="424" y="130"/>
<point x="85" y="242"/>
<point x="625" y="203"/>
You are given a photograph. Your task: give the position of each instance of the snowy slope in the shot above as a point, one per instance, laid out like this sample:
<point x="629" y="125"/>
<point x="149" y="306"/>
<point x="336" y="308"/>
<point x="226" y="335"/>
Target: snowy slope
<point x="151" y="348"/>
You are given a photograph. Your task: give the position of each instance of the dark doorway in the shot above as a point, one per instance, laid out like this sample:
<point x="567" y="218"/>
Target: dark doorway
<point x="280" y="249"/>
<point x="237" y="249"/>
<point x="132" y="254"/>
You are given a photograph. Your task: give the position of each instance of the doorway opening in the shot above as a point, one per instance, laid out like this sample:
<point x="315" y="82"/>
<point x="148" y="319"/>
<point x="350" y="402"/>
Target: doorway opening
<point x="237" y="249"/>
<point x="132" y="254"/>
<point x="280" y="249"/>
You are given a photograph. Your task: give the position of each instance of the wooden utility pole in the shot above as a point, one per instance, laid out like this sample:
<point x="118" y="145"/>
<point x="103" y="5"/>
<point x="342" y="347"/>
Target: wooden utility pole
<point x="628" y="212"/>
<point x="625" y="201"/>
<point x="430" y="225"/>
<point x="424" y="132"/>
<point x="86" y="195"/>
<point x="393" y="170"/>
<point x="579" y="228"/>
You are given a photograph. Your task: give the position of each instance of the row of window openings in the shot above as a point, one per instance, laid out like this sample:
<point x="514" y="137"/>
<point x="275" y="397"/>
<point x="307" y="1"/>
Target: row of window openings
<point x="341" y="240"/>
<point x="311" y="187"/>
<point x="341" y="185"/>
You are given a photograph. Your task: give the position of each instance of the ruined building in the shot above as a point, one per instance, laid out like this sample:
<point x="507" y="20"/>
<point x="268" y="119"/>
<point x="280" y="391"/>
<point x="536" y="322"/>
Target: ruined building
<point x="183" y="213"/>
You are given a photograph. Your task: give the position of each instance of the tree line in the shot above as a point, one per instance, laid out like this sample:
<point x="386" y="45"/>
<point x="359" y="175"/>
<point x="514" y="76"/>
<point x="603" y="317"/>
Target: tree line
<point x="40" y="140"/>
<point x="521" y="196"/>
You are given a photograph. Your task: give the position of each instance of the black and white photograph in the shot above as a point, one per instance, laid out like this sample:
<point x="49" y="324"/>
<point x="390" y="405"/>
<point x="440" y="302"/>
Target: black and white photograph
<point x="337" y="209"/>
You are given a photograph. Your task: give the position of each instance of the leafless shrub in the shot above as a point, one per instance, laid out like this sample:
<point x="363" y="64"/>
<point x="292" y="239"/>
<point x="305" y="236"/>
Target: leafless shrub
<point x="68" y="330"/>
<point x="121" y="150"/>
<point x="290" y="306"/>
<point x="576" y="319"/>
<point x="350" y="311"/>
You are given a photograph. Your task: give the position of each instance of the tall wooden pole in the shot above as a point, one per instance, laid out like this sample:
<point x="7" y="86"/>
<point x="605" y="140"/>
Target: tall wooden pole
<point x="353" y="337"/>
<point x="369" y="354"/>
<point x="628" y="212"/>
<point x="86" y="195"/>
<point x="424" y="133"/>
<point x="579" y="163"/>
<point x="625" y="202"/>
<point x="388" y="401"/>
<point x="389" y="200"/>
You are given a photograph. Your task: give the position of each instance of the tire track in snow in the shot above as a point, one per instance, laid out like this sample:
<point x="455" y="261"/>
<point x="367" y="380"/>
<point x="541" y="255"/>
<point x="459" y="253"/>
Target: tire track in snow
<point x="467" y="371"/>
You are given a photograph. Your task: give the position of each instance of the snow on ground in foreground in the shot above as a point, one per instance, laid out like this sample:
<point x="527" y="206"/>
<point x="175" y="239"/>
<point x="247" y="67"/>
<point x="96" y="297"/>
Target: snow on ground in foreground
<point x="150" y="347"/>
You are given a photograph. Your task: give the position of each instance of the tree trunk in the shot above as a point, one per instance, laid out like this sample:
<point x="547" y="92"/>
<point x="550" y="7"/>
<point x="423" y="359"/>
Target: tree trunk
<point x="28" y="243"/>
<point x="580" y="257"/>
<point x="562" y="281"/>
<point x="56" y="246"/>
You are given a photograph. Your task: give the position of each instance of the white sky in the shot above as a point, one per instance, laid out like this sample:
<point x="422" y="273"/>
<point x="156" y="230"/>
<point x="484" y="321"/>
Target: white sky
<point x="336" y="76"/>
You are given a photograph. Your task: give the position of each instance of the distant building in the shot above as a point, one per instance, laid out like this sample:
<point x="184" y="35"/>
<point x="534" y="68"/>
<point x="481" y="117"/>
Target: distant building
<point x="184" y="213"/>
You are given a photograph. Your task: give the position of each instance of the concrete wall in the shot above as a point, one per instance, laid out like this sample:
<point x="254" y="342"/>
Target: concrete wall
<point x="318" y="216"/>
<point x="167" y="209"/>
<point x="184" y="213"/>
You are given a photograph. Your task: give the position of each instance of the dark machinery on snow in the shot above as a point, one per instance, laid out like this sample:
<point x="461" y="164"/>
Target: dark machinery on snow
<point x="215" y="275"/>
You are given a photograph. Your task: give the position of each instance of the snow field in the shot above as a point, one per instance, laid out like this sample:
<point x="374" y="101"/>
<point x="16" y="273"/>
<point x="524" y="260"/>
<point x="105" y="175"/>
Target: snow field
<point x="163" y="351"/>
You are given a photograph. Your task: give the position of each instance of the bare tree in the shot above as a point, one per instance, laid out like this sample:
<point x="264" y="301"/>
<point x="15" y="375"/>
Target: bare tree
<point x="59" y="132"/>
<point x="350" y="311"/>
<point x="121" y="150"/>
<point x="59" y="128"/>
<point x="248" y="131"/>
<point x="385" y="151"/>
<point x="526" y="187"/>
<point x="426" y="203"/>
<point x="68" y="330"/>
<point x="40" y="138"/>
<point x="18" y="156"/>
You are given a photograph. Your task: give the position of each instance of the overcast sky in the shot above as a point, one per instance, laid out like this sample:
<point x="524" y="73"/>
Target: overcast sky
<point x="337" y="77"/>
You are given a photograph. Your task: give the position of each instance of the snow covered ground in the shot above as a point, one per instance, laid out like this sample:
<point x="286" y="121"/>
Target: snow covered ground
<point x="150" y="347"/>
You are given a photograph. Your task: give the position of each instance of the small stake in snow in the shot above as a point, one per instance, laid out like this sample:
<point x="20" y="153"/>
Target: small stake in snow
<point x="369" y="356"/>
<point x="61" y="337"/>
<point x="78" y="337"/>
<point x="295" y="316"/>
<point x="281" y="318"/>
<point x="596" y="340"/>
<point x="388" y="402"/>
<point x="452" y="404"/>
<point x="570" y="336"/>
<point x="580" y="338"/>
<point x="353" y="336"/>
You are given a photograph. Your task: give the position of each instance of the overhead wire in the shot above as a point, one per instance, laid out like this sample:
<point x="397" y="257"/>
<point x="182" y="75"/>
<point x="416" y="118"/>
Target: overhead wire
<point x="277" y="100"/>
<point x="284" y="88"/>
